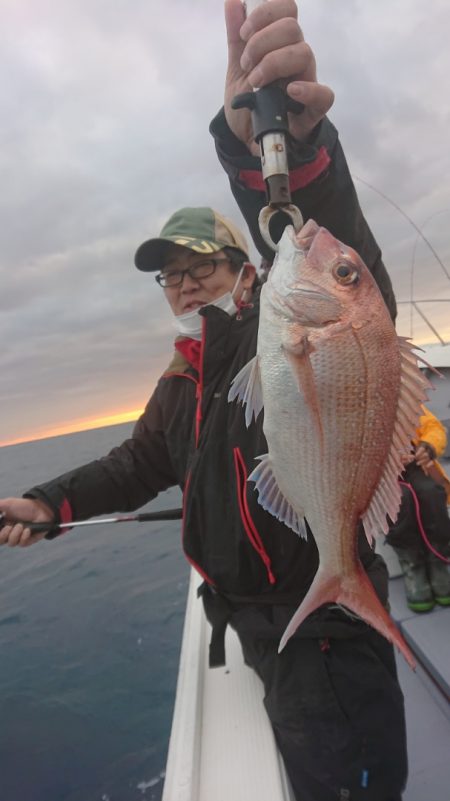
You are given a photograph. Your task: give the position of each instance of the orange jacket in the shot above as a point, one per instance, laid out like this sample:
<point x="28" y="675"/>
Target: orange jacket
<point x="431" y="431"/>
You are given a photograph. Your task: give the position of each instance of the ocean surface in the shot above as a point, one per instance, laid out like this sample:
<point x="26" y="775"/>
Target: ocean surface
<point x="90" y="636"/>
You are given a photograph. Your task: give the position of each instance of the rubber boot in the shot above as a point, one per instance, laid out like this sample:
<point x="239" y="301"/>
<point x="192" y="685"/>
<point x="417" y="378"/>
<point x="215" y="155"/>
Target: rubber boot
<point x="439" y="578"/>
<point x="419" y="595"/>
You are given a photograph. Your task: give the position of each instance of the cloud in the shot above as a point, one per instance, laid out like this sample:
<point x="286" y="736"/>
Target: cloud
<point x="104" y="133"/>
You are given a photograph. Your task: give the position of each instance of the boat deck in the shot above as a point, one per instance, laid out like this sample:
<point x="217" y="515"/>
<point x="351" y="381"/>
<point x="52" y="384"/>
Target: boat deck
<point x="427" y="696"/>
<point x="222" y="746"/>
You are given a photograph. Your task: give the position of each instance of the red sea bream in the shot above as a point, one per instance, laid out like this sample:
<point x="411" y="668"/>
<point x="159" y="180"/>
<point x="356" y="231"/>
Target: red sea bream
<point x="342" y="396"/>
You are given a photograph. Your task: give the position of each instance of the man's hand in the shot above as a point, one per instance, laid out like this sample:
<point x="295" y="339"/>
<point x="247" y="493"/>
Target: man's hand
<point x="269" y="46"/>
<point x="23" y="509"/>
<point x="423" y="457"/>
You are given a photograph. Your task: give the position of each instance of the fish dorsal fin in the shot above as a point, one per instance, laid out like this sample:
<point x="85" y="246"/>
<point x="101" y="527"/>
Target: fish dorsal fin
<point x="272" y="499"/>
<point x="246" y="387"/>
<point x="413" y="392"/>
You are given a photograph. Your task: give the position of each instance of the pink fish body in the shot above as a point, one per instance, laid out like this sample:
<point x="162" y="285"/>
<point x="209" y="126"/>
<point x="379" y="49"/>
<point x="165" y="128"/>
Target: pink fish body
<point x="342" y="397"/>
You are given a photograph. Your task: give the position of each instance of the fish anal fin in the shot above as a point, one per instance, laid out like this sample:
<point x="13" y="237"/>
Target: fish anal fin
<point x="272" y="499"/>
<point x="356" y="593"/>
<point x="246" y="387"/>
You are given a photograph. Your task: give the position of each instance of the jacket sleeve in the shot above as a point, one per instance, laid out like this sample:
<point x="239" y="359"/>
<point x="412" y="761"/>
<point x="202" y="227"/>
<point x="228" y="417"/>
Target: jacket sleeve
<point x="431" y="432"/>
<point x="321" y="187"/>
<point x="128" y="477"/>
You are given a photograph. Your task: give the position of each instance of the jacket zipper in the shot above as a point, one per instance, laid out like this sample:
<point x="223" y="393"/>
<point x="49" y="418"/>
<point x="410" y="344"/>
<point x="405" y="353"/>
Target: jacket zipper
<point x="199" y="392"/>
<point x="190" y="560"/>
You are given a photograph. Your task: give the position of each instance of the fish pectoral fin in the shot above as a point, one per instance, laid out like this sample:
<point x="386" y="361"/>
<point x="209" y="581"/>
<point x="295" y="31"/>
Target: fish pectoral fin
<point x="298" y="358"/>
<point x="295" y="344"/>
<point x="246" y="387"/>
<point x="272" y="499"/>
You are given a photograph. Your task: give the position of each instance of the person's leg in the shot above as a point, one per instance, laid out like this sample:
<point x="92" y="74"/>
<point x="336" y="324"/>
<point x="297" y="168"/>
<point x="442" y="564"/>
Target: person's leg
<point x="439" y="577"/>
<point x="337" y="714"/>
<point x="404" y="537"/>
<point x="434" y="519"/>
<point x="432" y="500"/>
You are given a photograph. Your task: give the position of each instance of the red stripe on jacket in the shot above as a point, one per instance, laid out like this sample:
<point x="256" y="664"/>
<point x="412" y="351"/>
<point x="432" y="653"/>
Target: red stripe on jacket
<point x="250" y="528"/>
<point x="298" y="178"/>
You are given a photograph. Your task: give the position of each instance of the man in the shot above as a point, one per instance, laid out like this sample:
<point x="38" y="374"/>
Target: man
<point x="424" y="506"/>
<point x="332" y="694"/>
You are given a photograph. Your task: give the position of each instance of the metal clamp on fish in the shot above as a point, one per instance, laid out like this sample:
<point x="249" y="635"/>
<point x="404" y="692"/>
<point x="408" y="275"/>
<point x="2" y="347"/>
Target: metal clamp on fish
<point x="269" y="108"/>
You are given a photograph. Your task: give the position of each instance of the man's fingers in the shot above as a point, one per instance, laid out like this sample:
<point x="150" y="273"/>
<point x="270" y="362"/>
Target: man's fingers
<point x="15" y="535"/>
<point x="25" y="538"/>
<point x="234" y="18"/>
<point x="317" y="98"/>
<point x="266" y="14"/>
<point x="294" y="62"/>
<point x="4" y="534"/>
<point x="28" y="538"/>
<point x="282" y="34"/>
<point x="269" y="27"/>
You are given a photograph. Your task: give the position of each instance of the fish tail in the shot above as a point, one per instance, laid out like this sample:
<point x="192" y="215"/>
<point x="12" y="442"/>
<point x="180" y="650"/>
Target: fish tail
<point x="357" y="594"/>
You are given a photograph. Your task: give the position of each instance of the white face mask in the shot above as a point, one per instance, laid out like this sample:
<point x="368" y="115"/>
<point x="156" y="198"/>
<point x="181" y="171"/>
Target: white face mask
<point x="190" y="324"/>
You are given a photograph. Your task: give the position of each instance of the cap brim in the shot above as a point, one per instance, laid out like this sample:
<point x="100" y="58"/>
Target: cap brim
<point x="150" y="256"/>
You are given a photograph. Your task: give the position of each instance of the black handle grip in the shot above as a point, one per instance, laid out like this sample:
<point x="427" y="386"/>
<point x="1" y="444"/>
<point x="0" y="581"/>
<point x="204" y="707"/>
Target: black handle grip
<point x="35" y="528"/>
<point x="269" y="107"/>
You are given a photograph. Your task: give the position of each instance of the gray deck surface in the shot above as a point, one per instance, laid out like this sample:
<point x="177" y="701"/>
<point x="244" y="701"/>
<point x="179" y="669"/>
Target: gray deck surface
<point x="427" y="691"/>
<point x="427" y="708"/>
<point x="427" y="634"/>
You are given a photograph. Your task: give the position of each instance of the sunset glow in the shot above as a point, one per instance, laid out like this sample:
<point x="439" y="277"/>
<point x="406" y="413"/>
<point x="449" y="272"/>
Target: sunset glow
<point x="77" y="425"/>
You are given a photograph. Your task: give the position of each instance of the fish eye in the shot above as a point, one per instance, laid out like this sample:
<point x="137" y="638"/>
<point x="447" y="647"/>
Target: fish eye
<point x="345" y="273"/>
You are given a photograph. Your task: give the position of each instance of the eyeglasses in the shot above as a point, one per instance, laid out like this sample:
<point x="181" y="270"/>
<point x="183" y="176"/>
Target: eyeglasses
<point x="202" y="269"/>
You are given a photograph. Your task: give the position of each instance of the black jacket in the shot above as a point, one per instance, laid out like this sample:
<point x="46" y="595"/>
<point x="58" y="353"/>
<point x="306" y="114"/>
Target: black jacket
<point x="190" y="435"/>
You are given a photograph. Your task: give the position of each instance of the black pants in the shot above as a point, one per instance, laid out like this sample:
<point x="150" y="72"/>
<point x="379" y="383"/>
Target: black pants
<point x="337" y="712"/>
<point x="405" y="533"/>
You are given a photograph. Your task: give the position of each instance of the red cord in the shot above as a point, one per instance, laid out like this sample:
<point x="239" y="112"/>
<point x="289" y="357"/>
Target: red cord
<point x="420" y="524"/>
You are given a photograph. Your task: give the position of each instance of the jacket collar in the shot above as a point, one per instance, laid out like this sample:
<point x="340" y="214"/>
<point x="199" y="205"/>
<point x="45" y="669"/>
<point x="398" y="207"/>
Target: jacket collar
<point x="223" y="334"/>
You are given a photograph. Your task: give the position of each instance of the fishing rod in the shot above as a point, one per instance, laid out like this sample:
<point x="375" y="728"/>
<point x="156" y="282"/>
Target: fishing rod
<point x="142" y="517"/>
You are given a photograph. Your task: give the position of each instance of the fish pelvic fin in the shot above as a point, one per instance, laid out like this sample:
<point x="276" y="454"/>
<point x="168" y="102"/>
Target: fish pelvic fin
<point x="386" y="498"/>
<point x="272" y="499"/>
<point x="297" y="354"/>
<point x="357" y="594"/>
<point x="246" y="387"/>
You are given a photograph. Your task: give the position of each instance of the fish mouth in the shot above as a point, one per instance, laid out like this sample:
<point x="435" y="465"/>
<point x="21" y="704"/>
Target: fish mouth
<point x="306" y="236"/>
<point x="301" y="300"/>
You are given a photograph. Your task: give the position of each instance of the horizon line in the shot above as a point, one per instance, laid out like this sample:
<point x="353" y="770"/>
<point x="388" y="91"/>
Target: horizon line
<point x="76" y="427"/>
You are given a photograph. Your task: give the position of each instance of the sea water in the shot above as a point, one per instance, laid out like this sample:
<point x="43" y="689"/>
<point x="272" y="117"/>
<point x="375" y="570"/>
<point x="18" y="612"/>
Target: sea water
<point x="90" y="635"/>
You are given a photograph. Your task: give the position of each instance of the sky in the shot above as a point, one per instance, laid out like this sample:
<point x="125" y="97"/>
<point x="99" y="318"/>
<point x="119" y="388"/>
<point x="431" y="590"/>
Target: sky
<point x="104" y="133"/>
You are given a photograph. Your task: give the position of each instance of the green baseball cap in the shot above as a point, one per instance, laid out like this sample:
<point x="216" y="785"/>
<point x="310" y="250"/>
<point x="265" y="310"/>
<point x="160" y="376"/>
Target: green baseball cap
<point x="200" y="229"/>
